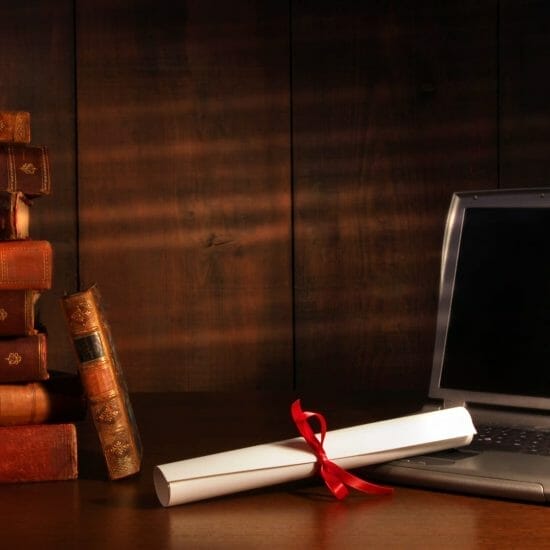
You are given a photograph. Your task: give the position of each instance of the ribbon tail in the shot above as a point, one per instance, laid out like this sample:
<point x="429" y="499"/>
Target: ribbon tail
<point x="333" y="482"/>
<point x="362" y="485"/>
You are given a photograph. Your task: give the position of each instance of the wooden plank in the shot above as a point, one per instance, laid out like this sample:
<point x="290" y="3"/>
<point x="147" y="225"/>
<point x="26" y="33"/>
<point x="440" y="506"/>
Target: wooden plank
<point x="184" y="188"/>
<point x="394" y="109"/>
<point x="524" y="92"/>
<point x="37" y="67"/>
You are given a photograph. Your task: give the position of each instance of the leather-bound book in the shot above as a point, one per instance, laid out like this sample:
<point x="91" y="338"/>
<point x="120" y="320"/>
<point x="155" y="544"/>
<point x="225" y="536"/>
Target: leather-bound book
<point x="104" y="383"/>
<point x="18" y="312"/>
<point x="15" y="126"/>
<point x="58" y="399"/>
<point x="39" y="452"/>
<point x="25" y="265"/>
<point x="14" y="215"/>
<point x="23" y="359"/>
<point x="25" y="168"/>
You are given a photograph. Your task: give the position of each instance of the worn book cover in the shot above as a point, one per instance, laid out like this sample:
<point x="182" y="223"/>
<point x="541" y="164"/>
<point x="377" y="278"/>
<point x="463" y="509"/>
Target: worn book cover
<point x="104" y="382"/>
<point x="25" y="168"/>
<point x="23" y="358"/>
<point x="18" y="312"/>
<point x="59" y="399"/>
<point x="15" y="126"/>
<point x="25" y="264"/>
<point x="14" y="215"/>
<point x="39" y="452"/>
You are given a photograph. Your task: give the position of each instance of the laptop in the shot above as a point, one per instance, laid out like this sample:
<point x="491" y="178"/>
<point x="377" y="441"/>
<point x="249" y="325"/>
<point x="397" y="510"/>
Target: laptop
<point x="492" y="349"/>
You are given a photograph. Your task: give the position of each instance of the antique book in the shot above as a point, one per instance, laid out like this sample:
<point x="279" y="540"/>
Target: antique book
<point x="39" y="452"/>
<point x="25" y="265"/>
<point x="14" y="215"/>
<point x="104" y="382"/>
<point x="25" y="168"/>
<point x="23" y="358"/>
<point x="58" y="399"/>
<point x="15" y="127"/>
<point x="18" y="312"/>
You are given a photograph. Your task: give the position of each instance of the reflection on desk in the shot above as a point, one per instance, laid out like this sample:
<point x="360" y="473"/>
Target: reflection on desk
<point x="96" y="513"/>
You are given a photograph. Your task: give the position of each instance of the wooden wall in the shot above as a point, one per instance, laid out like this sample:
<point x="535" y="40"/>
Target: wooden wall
<point x="259" y="188"/>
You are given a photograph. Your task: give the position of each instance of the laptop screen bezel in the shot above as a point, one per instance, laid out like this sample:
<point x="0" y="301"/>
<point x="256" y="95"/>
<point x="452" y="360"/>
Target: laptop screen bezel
<point x="460" y="202"/>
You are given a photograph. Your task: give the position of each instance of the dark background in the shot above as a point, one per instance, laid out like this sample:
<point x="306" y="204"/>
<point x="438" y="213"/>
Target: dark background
<point x="259" y="188"/>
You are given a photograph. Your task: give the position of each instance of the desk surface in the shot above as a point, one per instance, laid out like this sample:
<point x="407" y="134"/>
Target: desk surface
<point x="96" y="513"/>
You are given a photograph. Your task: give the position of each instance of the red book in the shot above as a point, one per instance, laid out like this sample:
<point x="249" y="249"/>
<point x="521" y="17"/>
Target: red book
<point x="104" y="382"/>
<point x="59" y="399"/>
<point x="23" y="359"/>
<point x="25" y="168"/>
<point x="18" y="312"/>
<point x="25" y="265"/>
<point x="40" y="452"/>
<point x="15" y="126"/>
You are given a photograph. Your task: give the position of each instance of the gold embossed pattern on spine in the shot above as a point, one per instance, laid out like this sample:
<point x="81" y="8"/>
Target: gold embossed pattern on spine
<point x="104" y="383"/>
<point x="15" y="127"/>
<point x="22" y="128"/>
<point x="32" y="162"/>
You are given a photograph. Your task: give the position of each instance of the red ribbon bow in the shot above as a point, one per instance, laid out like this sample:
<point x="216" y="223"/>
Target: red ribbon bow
<point x="335" y="477"/>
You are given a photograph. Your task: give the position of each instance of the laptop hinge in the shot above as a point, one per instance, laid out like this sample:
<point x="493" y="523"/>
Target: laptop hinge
<point x="438" y="404"/>
<point x="449" y="403"/>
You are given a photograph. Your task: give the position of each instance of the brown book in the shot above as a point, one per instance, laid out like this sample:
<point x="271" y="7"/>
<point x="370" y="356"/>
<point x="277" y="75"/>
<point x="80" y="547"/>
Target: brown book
<point x="39" y="452"/>
<point x="104" y="383"/>
<point x="25" y="265"/>
<point x="14" y="216"/>
<point x="23" y="359"/>
<point x="15" y="127"/>
<point x="18" y="312"/>
<point x="59" y="399"/>
<point x="25" y="168"/>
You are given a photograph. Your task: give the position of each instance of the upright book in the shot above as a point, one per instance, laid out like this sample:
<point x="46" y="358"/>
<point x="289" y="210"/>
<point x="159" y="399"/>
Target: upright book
<point x="103" y="382"/>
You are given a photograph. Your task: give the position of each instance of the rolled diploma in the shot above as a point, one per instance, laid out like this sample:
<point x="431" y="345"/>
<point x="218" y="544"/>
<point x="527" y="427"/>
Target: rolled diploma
<point x="292" y="459"/>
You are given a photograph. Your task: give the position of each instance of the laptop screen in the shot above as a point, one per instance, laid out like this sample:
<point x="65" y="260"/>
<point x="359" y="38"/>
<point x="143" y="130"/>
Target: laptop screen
<point x="493" y="339"/>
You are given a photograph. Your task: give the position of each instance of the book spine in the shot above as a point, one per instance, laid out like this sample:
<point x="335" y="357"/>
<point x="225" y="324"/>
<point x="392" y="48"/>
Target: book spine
<point x="103" y="382"/>
<point x="25" y="168"/>
<point x="25" y="265"/>
<point x="42" y="452"/>
<point x="18" y="312"/>
<point x="14" y="216"/>
<point x="23" y="359"/>
<point x="54" y="400"/>
<point x="15" y="127"/>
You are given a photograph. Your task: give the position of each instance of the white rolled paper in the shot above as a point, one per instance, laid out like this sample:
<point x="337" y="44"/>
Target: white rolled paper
<point x="292" y="459"/>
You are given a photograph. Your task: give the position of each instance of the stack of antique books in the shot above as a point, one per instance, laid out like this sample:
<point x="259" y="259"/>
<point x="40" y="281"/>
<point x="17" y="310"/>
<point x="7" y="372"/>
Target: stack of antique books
<point x="38" y="406"/>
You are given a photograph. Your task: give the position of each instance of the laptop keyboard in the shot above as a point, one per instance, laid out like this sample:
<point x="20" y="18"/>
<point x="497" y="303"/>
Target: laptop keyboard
<point x="513" y="439"/>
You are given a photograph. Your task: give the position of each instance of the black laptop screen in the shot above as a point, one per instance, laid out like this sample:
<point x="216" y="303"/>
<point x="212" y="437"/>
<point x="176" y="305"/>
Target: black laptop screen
<point x="498" y="340"/>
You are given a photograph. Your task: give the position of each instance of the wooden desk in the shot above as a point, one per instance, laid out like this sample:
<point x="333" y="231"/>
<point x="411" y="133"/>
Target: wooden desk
<point x="95" y="513"/>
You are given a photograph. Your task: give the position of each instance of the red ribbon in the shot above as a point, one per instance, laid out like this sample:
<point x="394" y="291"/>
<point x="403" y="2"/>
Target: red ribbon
<point x="335" y="477"/>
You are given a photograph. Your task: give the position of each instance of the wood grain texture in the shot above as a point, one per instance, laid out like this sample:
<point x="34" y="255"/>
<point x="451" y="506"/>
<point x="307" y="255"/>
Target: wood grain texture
<point x="394" y="109"/>
<point x="93" y="513"/>
<point x="37" y="67"/>
<point x="184" y="188"/>
<point x="524" y="91"/>
<point x="187" y="201"/>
